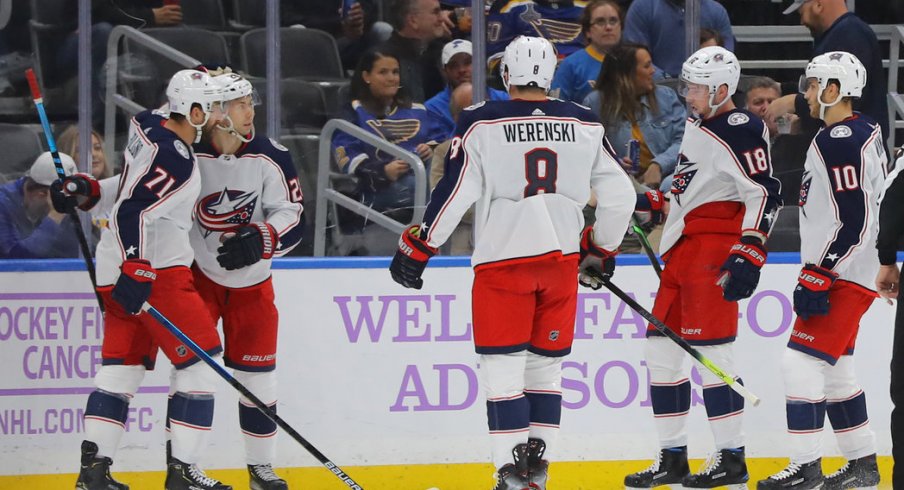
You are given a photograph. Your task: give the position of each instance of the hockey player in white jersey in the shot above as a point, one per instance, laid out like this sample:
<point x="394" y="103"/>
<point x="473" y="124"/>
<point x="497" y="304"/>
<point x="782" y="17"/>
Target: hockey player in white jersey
<point x="530" y="164"/>
<point x="844" y="176"/>
<point x="144" y="256"/>
<point x="724" y="201"/>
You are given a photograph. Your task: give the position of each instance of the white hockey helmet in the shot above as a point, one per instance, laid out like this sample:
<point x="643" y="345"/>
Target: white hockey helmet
<point x="189" y="87"/>
<point x="529" y="61"/>
<point x="835" y="65"/>
<point x="712" y="67"/>
<point x="236" y="87"/>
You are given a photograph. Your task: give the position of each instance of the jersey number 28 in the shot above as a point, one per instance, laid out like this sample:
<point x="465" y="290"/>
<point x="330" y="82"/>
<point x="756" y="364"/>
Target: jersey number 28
<point x="541" y="171"/>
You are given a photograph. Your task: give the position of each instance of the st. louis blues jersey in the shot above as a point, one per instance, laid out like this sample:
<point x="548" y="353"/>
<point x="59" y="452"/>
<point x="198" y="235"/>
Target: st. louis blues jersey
<point x="557" y="22"/>
<point x="530" y="166"/>
<point x="256" y="184"/>
<point x="724" y="159"/>
<point x="153" y="211"/>
<point x="843" y="179"/>
<point x="406" y="127"/>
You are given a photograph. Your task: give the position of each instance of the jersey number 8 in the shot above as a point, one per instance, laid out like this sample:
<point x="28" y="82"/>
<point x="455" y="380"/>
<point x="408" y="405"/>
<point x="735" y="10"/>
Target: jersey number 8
<point x="541" y="170"/>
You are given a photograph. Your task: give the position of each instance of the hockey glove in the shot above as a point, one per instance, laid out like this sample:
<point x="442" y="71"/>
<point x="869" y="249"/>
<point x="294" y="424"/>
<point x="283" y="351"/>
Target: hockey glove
<point x="741" y="271"/>
<point x="133" y="287"/>
<point x="811" y="296"/>
<point x="74" y="191"/>
<point x="597" y="264"/>
<point x="410" y="259"/>
<point x="653" y="203"/>
<point x="250" y="244"/>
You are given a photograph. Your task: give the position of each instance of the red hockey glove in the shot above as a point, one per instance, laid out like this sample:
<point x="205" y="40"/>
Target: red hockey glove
<point x="410" y="259"/>
<point x="741" y="271"/>
<point x="652" y="202"/>
<point x="78" y="190"/>
<point x="811" y="296"/>
<point x="250" y="244"/>
<point x="597" y="264"/>
<point x="133" y="288"/>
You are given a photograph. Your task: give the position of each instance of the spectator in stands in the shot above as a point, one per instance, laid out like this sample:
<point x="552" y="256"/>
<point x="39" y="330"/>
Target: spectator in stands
<point x="355" y="30"/>
<point x="761" y="91"/>
<point x="29" y="226"/>
<point x="709" y="37"/>
<point x="68" y="142"/>
<point x="385" y="184"/>
<point x="557" y="21"/>
<point x="420" y="26"/>
<point x="835" y="29"/>
<point x="601" y="23"/>
<point x="456" y="60"/>
<point x="461" y="241"/>
<point x="632" y="107"/>
<point x="659" y="24"/>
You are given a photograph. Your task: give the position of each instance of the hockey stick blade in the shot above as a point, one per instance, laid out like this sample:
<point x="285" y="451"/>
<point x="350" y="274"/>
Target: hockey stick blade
<point x="729" y="379"/>
<point x="269" y="412"/>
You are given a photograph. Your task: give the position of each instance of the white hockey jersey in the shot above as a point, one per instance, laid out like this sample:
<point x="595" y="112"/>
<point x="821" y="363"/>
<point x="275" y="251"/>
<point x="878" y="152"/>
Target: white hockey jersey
<point x="724" y="159"/>
<point x="153" y="211"/>
<point x="843" y="179"/>
<point x="530" y="167"/>
<point x="258" y="183"/>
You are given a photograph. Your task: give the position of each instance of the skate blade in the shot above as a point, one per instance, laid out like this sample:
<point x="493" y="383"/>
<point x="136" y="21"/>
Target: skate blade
<point x="672" y="486"/>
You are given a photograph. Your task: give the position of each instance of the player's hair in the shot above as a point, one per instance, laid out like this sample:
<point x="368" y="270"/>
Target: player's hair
<point x="763" y="82"/>
<point x="360" y="90"/>
<point x="587" y="13"/>
<point x="68" y="141"/>
<point x="619" y="98"/>
<point x="711" y="35"/>
<point x="398" y="12"/>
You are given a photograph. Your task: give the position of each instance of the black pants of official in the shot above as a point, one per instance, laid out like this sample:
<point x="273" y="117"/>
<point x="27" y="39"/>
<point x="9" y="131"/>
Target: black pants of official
<point x="897" y="394"/>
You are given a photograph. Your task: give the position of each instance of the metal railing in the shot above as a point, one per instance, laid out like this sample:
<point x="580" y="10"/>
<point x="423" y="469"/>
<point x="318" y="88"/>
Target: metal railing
<point x="115" y="100"/>
<point x="895" y="99"/>
<point x="327" y="195"/>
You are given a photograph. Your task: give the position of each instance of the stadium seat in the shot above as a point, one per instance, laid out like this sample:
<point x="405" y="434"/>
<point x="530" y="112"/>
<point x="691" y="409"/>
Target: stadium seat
<point x="204" y="14"/>
<point x="21" y="146"/>
<point x="303" y="109"/>
<point x="249" y="14"/>
<point x="306" y="53"/>
<point x="47" y="33"/>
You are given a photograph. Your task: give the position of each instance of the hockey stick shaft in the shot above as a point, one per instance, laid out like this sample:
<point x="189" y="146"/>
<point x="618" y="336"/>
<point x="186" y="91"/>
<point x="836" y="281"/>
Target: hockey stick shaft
<point x="647" y="248"/>
<point x="79" y="232"/>
<point x="269" y="412"/>
<point x="729" y="379"/>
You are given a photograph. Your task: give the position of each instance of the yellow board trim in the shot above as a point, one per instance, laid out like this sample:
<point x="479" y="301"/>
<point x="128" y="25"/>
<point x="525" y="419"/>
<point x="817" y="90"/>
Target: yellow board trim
<point x="593" y="475"/>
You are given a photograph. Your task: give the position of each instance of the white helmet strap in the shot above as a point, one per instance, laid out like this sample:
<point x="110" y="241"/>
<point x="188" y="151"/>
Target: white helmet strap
<point x="713" y="107"/>
<point x="230" y="128"/>
<point x="198" y="127"/>
<point x="823" y="106"/>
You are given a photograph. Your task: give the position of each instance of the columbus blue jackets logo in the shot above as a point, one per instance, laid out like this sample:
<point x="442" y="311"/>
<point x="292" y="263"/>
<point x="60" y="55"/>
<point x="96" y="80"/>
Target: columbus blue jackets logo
<point x="804" y="190"/>
<point x="684" y="173"/>
<point x="225" y="211"/>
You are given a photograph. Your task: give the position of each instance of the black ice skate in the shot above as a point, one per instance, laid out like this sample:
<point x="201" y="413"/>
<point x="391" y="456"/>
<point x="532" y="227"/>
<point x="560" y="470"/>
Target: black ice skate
<point x="184" y="476"/>
<point x="263" y="478"/>
<point x="537" y="467"/>
<point x="725" y="467"/>
<point x="514" y="476"/>
<point x="856" y="473"/>
<point x="670" y="468"/>
<point x="95" y="472"/>
<point x="796" y="476"/>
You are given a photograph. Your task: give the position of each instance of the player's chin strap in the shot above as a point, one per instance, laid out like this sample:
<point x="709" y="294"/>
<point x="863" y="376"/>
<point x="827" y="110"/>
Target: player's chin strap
<point x="199" y="127"/>
<point x="823" y="106"/>
<point x="230" y="128"/>
<point x="713" y="108"/>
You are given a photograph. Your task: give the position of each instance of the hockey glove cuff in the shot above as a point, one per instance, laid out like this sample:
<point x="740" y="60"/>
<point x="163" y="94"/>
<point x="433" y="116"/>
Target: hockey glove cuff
<point x="811" y="296"/>
<point x="740" y="273"/>
<point x="133" y="288"/>
<point x="79" y="190"/>
<point x="597" y="264"/>
<point x="411" y="258"/>
<point x="250" y="244"/>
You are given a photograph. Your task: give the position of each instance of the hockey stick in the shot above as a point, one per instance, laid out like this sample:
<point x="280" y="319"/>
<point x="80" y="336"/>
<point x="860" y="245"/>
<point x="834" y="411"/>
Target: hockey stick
<point x="729" y="379"/>
<point x="647" y="248"/>
<point x="269" y="412"/>
<point x="79" y="232"/>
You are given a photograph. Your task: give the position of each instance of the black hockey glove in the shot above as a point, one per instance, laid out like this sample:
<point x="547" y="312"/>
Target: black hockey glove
<point x="411" y="258"/>
<point x="741" y="271"/>
<point x="371" y="174"/>
<point x="74" y="191"/>
<point x="597" y="264"/>
<point x="250" y="244"/>
<point x="811" y="296"/>
<point x="133" y="287"/>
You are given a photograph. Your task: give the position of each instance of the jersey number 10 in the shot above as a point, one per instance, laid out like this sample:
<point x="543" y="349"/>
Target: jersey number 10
<point x="541" y="170"/>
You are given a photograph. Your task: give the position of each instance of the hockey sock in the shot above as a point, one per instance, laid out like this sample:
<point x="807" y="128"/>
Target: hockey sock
<point x="545" y="415"/>
<point x="671" y="402"/>
<point x="805" y="422"/>
<point x="105" y="418"/>
<point x="508" y="420"/>
<point x="191" y="415"/>
<point x="851" y="425"/>
<point x="259" y="433"/>
<point x="724" y="407"/>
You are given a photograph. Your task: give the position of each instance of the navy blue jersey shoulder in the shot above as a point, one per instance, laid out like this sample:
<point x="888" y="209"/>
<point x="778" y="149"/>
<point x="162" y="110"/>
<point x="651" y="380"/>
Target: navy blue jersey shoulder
<point x="841" y="143"/>
<point x="262" y="145"/>
<point x="173" y="155"/>
<point x="503" y="109"/>
<point x="740" y="129"/>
